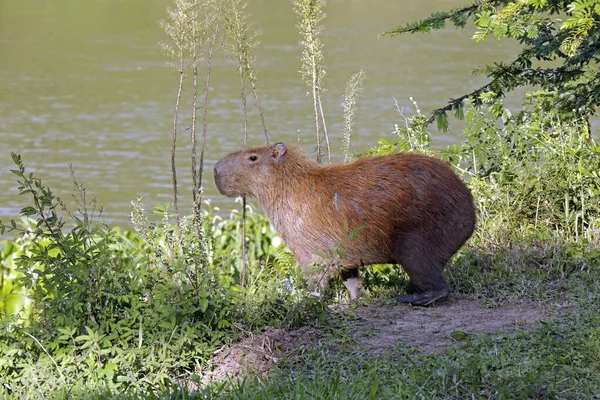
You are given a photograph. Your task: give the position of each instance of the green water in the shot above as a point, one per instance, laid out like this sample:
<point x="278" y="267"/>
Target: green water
<point x="84" y="83"/>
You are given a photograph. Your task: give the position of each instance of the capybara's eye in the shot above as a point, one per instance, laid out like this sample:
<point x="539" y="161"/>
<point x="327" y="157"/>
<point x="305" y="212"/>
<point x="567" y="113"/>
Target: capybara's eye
<point x="252" y="158"/>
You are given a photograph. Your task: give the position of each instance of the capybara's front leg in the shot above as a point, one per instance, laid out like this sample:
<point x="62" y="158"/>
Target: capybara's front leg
<point x="318" y="280"/>
<point x="353" y="283"/>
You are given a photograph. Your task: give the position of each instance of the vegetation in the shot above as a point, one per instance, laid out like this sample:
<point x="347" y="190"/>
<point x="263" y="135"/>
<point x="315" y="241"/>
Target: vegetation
<point x="89" y="311"/>
<point x="553" y="360"/>
<point x="350" y="105"/>
<point x="127" y="312"/>
<point x="310" y="15"/>
<point x="561" y="42"/>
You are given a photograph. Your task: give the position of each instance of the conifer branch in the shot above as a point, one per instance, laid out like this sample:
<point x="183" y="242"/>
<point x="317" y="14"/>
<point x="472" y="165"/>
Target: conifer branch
<point x="438" y="19"/>
<point x="574" y="41"/>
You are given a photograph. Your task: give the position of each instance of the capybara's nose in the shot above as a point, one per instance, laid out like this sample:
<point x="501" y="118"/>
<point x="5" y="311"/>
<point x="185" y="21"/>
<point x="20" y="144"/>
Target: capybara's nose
<point x="218" y="168"/>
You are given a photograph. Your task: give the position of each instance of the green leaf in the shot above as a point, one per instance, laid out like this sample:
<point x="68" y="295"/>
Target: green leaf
<point x="16" y="158"/>
<point x="203" y="304"/>
<point x="459" y="110"/>
<point x="442" y="121"/>
<point x="459" y="335"/>
<point x="28" y="211"/>
<point x="109" y="370"/>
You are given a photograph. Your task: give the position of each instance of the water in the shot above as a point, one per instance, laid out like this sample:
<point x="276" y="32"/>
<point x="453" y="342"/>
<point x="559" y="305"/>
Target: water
<point x="84" y="83"/>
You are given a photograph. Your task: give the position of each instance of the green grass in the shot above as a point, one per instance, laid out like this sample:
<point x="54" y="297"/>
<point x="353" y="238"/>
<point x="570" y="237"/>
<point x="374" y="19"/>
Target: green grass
<point x="143" y="313"/>
<point x="556" y="359"/>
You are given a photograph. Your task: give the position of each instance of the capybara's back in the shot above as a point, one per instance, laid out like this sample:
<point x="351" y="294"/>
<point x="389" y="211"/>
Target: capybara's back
<point x="402" y="208"/>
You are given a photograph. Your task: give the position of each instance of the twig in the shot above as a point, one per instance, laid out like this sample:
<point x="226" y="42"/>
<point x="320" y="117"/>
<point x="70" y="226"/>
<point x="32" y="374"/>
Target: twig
<point x="325" y="130"/>
<point x="244" y="145"/>
<point x="260" y="109"/>
<point x="244" y="250"/>
<point x="174" y="143"/>
<point x="315" y="106"/>
<point x="204" y="109"/>
<point x="195" y="187"/>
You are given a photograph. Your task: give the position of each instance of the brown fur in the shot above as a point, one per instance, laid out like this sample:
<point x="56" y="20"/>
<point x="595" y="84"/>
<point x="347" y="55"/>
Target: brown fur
<point x="408" y="209"/>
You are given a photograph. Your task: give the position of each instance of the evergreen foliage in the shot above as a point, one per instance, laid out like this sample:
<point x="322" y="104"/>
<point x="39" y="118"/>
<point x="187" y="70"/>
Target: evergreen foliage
<point x="559" y="55"/>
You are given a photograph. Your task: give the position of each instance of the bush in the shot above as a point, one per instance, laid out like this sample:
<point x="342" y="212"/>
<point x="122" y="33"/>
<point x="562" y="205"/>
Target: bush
<point x="131" y="312"/>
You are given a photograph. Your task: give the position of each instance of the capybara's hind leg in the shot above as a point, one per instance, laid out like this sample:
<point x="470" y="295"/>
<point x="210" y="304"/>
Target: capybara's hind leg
<point x="432" y="287"/>
<point x="353" y="283"/>
<point x="427" y="282"/>
<point x="413" y="288"/>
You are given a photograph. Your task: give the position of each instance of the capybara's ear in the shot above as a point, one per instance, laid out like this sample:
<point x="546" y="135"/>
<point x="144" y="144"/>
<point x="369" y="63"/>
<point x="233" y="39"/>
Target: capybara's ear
<point x="278" y="151"/>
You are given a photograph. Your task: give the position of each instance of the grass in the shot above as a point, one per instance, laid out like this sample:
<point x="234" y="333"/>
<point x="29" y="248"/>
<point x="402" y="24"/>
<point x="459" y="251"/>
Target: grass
<point x="121" y="315"/>
<point x="558" y="358"/>
<point x="553" y="361"/>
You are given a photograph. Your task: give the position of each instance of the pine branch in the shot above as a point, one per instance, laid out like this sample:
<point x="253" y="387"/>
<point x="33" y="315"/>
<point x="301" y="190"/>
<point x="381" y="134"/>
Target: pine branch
<point x="437" y="20"/>
<point x="521" y="72"/>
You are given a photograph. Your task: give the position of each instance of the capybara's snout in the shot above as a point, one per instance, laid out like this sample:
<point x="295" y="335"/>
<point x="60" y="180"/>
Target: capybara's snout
<point x="219" y="174"/>
<point x="226" y="177"/>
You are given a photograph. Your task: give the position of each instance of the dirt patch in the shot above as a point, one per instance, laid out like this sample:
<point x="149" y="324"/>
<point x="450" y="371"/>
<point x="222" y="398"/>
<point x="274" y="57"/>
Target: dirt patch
<point x="379" y="329"/>
<point x="259" y="353"/>
<point x="431" y="329"/>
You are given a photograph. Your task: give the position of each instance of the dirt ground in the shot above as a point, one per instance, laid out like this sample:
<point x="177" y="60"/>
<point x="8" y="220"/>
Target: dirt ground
<point x="377" y="329"/>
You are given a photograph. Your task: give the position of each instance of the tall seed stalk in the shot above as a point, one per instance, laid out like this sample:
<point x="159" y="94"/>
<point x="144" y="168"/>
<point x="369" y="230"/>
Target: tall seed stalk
<point x="310" y="14"/>
<point x="352" y="93"/>
<point x="213" y="35"/>
<point x="197" y="36"/>
<point x="239" y="44"/>
<point x="177" y="27"/>
<point x="193" y="27"/>
<point x="253" y="85"/>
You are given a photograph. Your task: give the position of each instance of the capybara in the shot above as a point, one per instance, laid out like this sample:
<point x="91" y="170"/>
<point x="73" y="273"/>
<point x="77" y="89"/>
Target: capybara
<point x="408" y="209"/>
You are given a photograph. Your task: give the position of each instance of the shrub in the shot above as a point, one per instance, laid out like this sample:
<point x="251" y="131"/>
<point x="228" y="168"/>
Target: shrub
<point x="132" y="311"/>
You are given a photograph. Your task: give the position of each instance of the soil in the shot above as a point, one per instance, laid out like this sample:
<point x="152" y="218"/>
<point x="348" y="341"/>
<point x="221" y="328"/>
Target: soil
<point x="379" y="329"/>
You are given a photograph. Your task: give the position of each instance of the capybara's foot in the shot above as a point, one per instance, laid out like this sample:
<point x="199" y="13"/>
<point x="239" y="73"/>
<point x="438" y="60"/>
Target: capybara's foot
<point x="355" y="288"/>
<point x="424" y="298"/>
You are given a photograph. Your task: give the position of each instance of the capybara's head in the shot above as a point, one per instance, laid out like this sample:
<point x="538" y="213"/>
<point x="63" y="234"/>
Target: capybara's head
<point x="246" y="172"/>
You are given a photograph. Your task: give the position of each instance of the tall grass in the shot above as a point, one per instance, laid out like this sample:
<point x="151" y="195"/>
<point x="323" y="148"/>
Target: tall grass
<point x="310" y="15"/>
<point x="127" y="312"/>
<point x="350" y="106"/>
